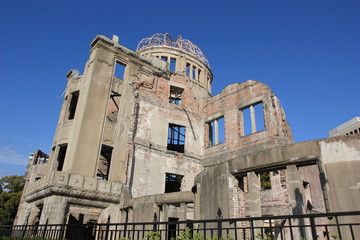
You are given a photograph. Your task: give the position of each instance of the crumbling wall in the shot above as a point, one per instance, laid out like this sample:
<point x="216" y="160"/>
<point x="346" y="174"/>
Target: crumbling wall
<point x="229" y="104"/>
<point x="151" y="157"/>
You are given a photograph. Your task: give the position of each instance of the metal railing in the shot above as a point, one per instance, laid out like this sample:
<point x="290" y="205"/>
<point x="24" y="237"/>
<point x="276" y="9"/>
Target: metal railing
<point x="329" y="226"/>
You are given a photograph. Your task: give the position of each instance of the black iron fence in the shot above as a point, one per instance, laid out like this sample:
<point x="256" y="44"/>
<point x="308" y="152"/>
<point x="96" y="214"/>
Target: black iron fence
<point x="329" y="226"/>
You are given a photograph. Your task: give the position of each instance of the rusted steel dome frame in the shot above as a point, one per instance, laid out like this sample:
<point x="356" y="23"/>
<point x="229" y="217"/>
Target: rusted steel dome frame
<point x="160" y="39"/>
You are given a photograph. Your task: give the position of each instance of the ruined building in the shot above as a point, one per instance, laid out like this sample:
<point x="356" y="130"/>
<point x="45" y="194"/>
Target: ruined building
<point x="139" y="134"/>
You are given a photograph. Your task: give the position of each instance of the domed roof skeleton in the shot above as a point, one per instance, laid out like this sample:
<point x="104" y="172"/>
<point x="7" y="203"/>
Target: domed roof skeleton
<point x="160" y="39"/>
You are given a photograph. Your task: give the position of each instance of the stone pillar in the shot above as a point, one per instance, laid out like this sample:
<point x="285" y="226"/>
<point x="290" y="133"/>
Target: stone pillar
<point x="254" y="194"/>
<point x="254" y="198"/>
<point x="197" y="202"/>
<point x="296" y="198"/>
<point x="164" y="217"/>
<point x="54" y="210"/>
<point x="253" y="119"/>
<point x="183" y="217"/>
<point x="182" y="67"/>
<point x="164" y="214"/>
<point x="83" y="147"/>
<point x="120" y="153"/>
<point x="216" y="126"/>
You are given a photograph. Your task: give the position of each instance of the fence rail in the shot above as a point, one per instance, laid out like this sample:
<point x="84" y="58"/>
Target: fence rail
<point x="322" y="226"/>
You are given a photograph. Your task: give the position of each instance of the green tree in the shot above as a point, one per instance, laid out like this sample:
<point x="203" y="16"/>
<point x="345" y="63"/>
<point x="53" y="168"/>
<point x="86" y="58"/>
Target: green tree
<point x="10" y="194"/>
<point x="14" y="183"/>
<point x="265" y="181"/>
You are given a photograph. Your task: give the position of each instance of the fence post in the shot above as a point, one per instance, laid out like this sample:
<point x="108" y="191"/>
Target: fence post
<point x="107" y="228"/>
<point x="219" y="224"/>
<point x="45" y="227"/>
<point x="155" y="220"/>
<point x="313" y="228"/>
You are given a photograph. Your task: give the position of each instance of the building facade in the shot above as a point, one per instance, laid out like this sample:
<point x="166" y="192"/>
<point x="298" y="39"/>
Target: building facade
<point x="139" y="134"/>
<point x="348" y="128"/>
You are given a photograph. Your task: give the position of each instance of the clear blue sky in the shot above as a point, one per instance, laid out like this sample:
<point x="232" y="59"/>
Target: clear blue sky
<point x="307" y="51"/>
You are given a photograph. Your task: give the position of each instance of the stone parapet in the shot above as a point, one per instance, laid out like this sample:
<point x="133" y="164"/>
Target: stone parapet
<point x="72" y="185"/>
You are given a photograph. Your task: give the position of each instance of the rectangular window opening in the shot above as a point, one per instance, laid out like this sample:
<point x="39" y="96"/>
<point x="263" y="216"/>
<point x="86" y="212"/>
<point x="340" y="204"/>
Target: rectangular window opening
<point x="199" y="74"/>
<point x="73" y="104"/>
<point x="61" y="157"/>
<point x="252" y="119"/>
<point x="176" y="138"/>
<point x="188" y="69"/>
<point x="173" y="182"/>
<point x="173" y="64"/>
<point x="265" y="181"/>
<point x="104" y="163"/>
<point x="163" y="58"/>
<point x="120" y="70"/>
<point x="216" y="131"/>
<point x="175" y="95"/>
<point x="241" y="183"/>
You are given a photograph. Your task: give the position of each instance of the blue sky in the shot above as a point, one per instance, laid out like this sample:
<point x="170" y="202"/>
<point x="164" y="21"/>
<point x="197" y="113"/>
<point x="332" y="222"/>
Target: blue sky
<point x="307" y="51"/>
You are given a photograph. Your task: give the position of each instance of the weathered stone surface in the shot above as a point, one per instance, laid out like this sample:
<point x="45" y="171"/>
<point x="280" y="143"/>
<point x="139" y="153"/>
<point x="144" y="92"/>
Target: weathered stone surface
<point x="114" y="146"/>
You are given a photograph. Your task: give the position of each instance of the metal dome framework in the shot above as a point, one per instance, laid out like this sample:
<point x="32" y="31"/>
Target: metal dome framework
<point x="160" y="39"/>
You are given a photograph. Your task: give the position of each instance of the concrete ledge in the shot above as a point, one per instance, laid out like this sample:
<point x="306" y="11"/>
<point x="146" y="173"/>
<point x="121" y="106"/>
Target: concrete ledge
<point x="289" y="154"/>
<point x="166" y="198"/>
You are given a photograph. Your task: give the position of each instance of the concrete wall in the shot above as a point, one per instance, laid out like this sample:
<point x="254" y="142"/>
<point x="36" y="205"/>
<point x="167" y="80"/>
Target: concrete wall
<point x="224" y="178"/>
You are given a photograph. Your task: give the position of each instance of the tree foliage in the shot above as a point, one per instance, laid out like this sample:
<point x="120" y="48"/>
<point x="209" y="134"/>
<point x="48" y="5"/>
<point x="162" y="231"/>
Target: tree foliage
<point x="10" y="194"/>
<point x="265" y="181"/>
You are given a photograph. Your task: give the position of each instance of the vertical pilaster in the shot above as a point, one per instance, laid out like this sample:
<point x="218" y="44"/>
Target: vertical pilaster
<point x="254" y="194"/>
<point x="54" y="210"/>
<point x="296" y="197"/>
<point x="254" y="198"/>
<point x="197" y="202"/>
<point x="216" y="126"/>
<point x="253" y="119"/>
<point x="84" y="145"/>
<point x="164" y="217"/>
<point x="183" y="217"/>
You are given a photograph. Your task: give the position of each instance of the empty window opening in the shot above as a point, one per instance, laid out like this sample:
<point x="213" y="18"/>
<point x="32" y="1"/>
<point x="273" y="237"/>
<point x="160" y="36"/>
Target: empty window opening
<point x="252" y="119"/>
<point x="175" y="95"/>
<point x="176" y="138"/>
<point x="259" y="115"/>
<point x="39" y="157"/>
<point x="188" y="69"/>
<point x="265" y="181"/>
<point x="199" y="74"/>
<point x="119" y="70"/>
<point x="242" y="183"/>
<point x="355" y="131"/>
<point x="163" y="58"/>
<point x="73" y="104"/>
<point x="38" y="215"/>
<point x="104" y="163"/>
<point x="113" y="107"/>
<point x="193" y="75"/>
<point x="173" y="64"/>
<point x="172" y="228"/>
<point x="172" y="183"/>
<point x="61" y="157"/>
<point x="216" y="131"/>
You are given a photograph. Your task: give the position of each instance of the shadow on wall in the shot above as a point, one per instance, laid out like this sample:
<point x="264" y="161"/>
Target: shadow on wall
<point x="298" y="210"/>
